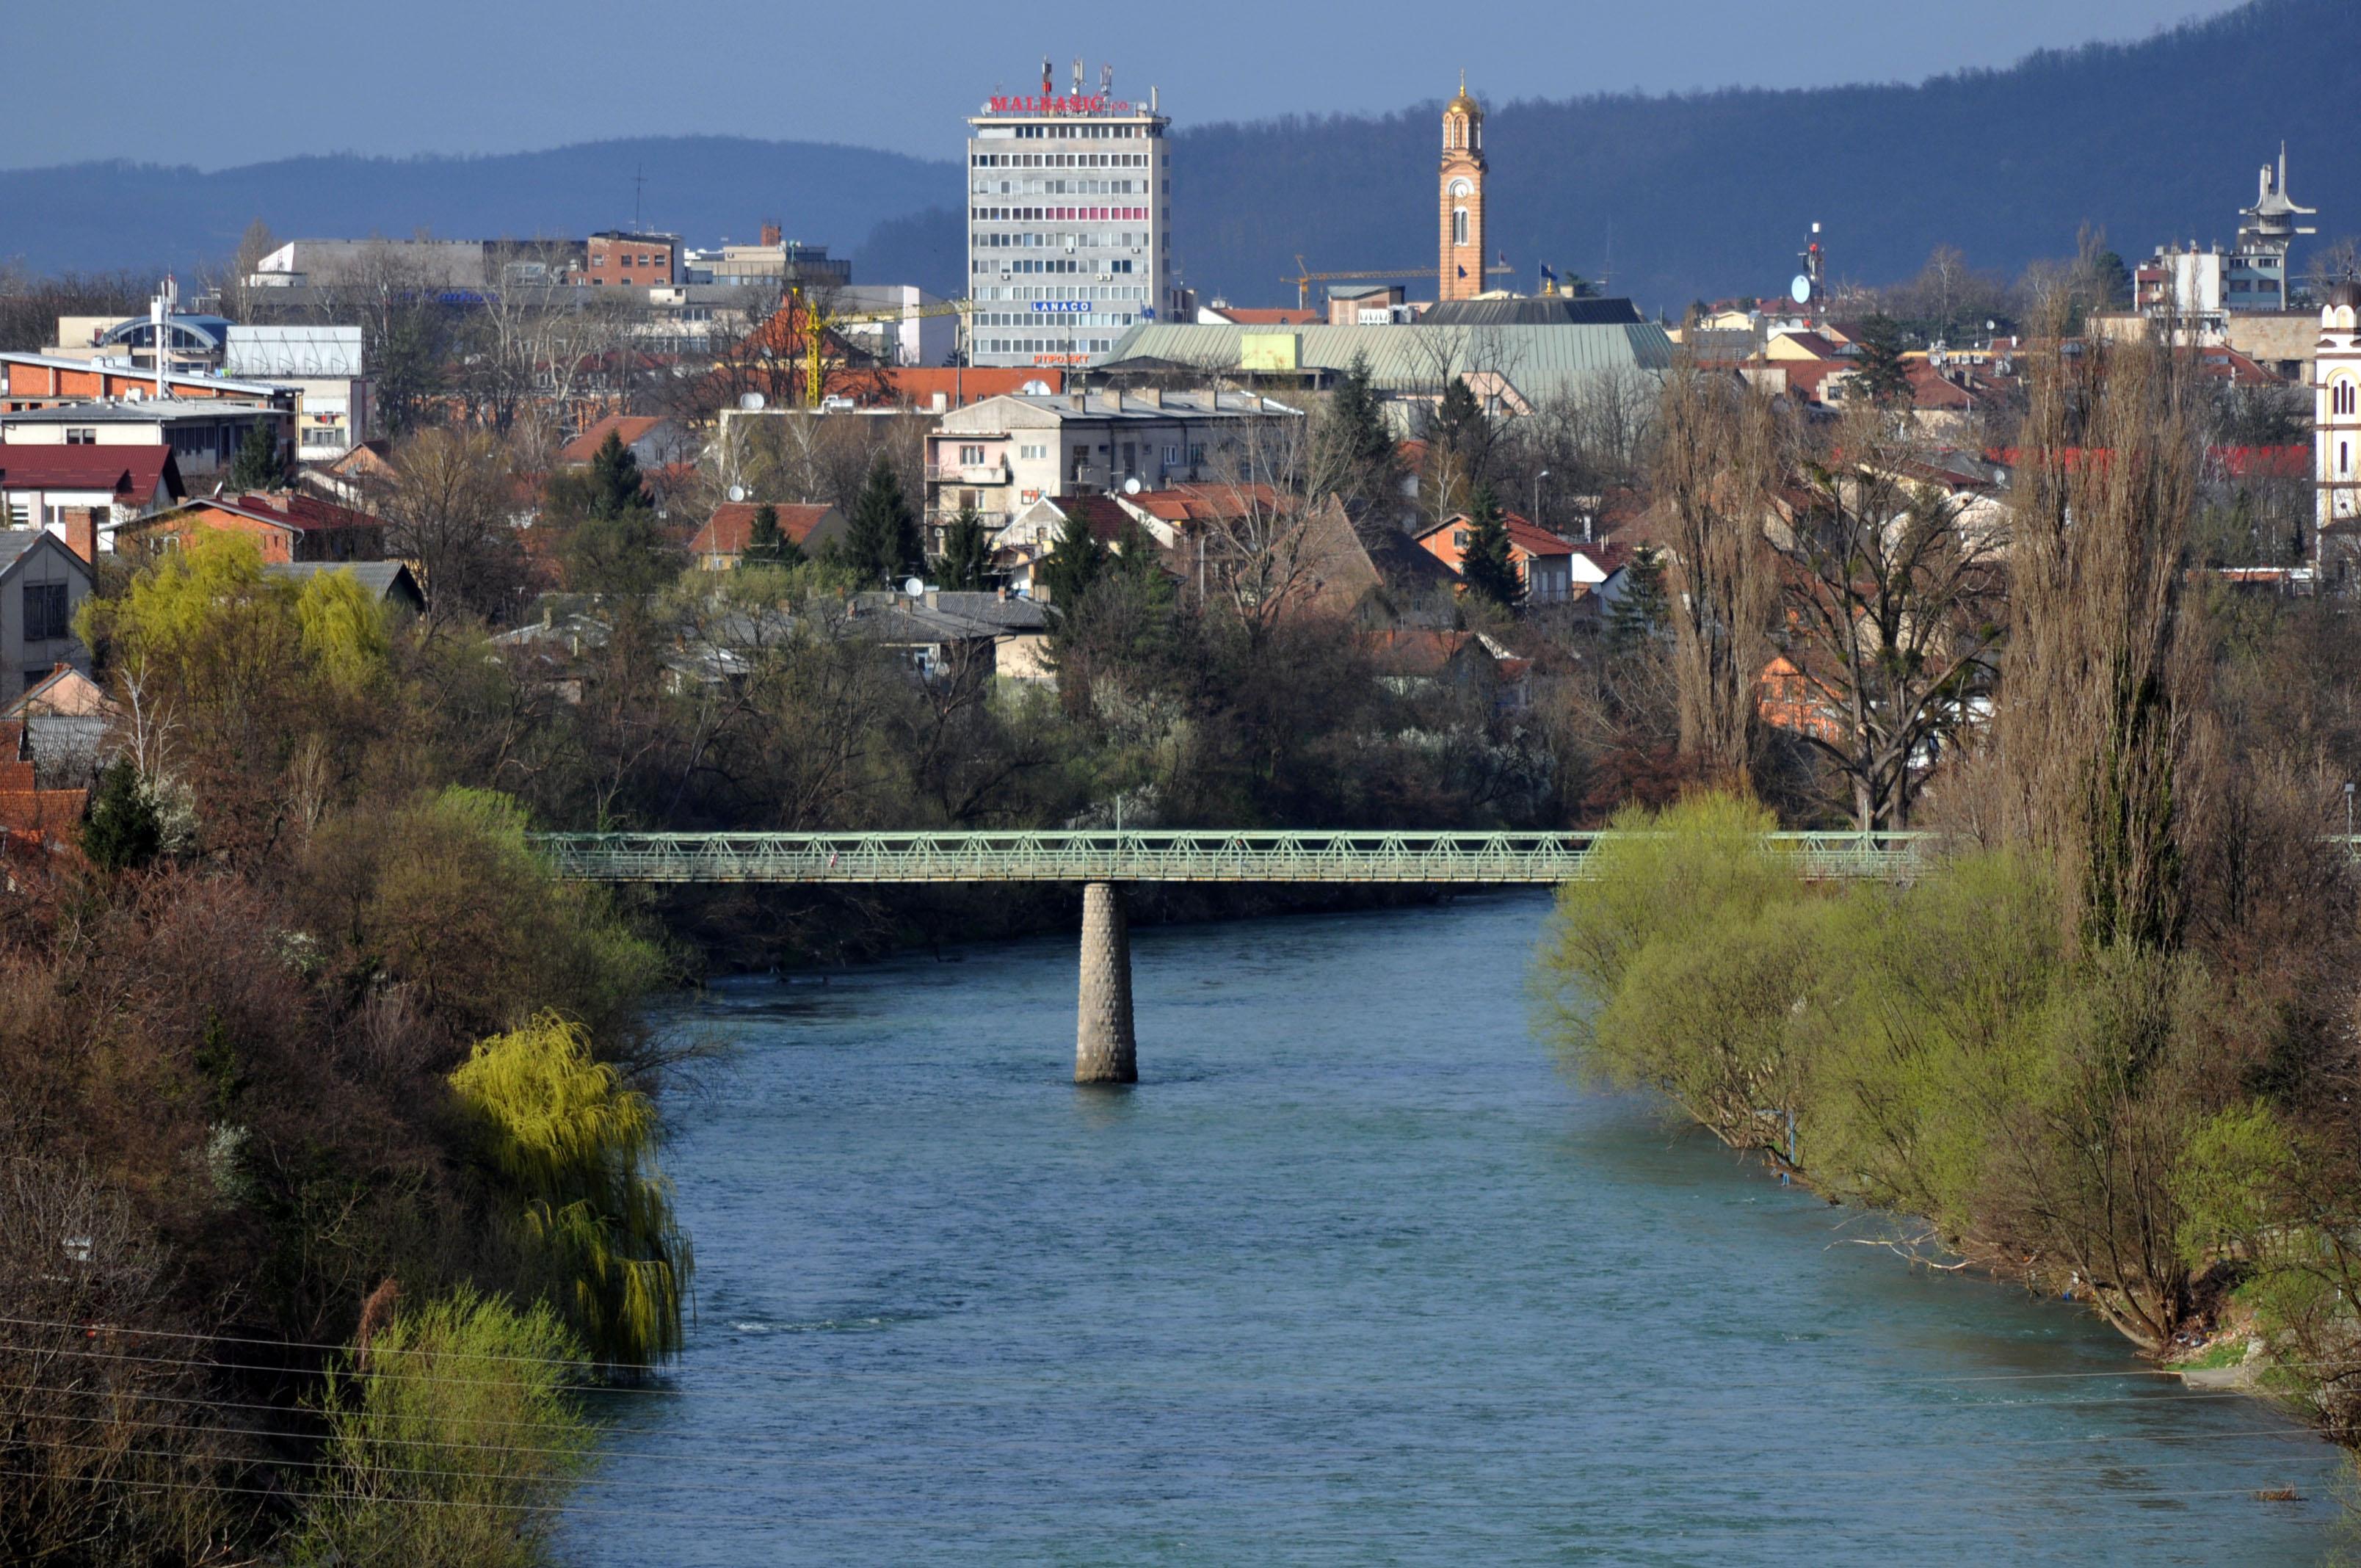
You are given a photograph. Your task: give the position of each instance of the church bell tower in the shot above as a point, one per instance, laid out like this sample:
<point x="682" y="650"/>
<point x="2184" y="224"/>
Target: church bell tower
<point x="1462" y="182"/>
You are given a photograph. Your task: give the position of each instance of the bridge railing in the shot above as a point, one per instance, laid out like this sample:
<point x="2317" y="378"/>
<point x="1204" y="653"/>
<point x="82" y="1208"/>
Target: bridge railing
<point x="1158" y="855"/>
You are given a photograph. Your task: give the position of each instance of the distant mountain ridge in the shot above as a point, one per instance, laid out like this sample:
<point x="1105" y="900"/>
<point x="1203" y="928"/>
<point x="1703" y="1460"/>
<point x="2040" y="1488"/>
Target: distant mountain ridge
<point x="1682" y="196"/>
<point x="104" y="216"/>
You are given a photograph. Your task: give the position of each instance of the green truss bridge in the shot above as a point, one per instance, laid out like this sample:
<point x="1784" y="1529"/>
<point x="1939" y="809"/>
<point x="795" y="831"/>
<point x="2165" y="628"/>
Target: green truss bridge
<point x="1102" y="862"/>
<point x="1438" y="859"/>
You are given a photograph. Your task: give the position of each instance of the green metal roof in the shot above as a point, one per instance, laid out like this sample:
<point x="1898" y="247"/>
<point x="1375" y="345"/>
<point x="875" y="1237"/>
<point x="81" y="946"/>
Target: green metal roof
<point x="1542" y="362"/>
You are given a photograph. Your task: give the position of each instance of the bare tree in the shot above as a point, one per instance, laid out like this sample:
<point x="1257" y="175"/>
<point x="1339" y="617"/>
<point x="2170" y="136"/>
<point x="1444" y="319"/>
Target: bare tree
<point x="1891" y="601"/>
<point x="114" y="1457"/>
<point x="450" y="505"/>
<point x="1720" y="453"/>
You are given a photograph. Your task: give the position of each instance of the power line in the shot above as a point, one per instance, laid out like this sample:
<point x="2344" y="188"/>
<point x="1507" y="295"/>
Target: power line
<point x="93" y="1328"/>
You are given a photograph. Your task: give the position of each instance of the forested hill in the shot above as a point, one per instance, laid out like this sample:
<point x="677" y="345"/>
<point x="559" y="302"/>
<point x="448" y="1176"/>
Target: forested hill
<point x="1704" y="194"/>
<point x="104" y="215"/>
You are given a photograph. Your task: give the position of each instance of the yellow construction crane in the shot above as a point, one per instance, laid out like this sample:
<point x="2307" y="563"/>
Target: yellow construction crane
<point x="819" y="321"/>
<point x="1304" y="277"/>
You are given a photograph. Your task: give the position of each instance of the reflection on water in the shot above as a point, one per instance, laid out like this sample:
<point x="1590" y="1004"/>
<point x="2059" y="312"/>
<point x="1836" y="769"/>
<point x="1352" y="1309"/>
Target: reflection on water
<point x="1354" y="1274"/>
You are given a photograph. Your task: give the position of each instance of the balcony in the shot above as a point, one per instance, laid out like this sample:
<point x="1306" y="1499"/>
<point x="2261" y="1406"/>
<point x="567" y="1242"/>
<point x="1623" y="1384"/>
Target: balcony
<point x="967" y="473"/>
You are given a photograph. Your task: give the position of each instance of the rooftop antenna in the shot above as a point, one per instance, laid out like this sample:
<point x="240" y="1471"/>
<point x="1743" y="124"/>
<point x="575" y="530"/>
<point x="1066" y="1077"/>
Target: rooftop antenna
<point x="639" y="182"/>
<point x="1107" y="89"/>
<point x="1077" y="76"/>
<point x="1047" y="90"/>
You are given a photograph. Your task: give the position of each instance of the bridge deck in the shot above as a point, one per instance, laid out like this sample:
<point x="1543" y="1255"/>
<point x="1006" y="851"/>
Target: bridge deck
<point x="1154" y="855"/>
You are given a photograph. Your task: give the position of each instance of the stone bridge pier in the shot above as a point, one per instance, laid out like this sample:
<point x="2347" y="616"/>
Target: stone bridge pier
<point x="1105" y="1049"/>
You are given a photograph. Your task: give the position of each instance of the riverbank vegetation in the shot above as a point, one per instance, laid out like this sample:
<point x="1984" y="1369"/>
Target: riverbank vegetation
<point x="2104" y="1044"/>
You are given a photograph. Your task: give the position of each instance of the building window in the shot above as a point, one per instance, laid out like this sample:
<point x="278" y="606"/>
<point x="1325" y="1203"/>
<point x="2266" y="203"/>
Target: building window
<point x="1459" y="226"/>
<point x="46" y="615"/>
<point x="970" y="456"/>
<point x="81" y="436"/>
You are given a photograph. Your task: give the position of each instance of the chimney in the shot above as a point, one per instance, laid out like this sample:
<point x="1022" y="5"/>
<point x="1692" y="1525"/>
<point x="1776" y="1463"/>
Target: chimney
<point x="1112" y="400"/>
<point x="1152" y="396"/>
<point x="770" y="233"/>
<point x="938" y="402"/>
<point x="1076" y="398"/>
<point x="82" y="533"/>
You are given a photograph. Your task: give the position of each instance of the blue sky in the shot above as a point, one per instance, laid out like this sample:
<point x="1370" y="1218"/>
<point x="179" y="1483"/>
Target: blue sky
<point x="273" y="80"/>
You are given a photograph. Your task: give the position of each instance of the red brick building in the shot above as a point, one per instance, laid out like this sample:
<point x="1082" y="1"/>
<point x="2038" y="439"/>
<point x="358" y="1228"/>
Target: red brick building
<point x="631" y="260"/>
<point x="285" y="525"/>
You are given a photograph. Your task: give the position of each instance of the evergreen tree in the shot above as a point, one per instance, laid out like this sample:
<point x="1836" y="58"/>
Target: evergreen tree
<point x="1883" y="382"/>
<point x="967" y="553"/>
<point x="1073" y="565"/>
<point x="618" y="547"/>
<point x="615" y="485"/>
<point x="124" y="831"/>
<point x="258" y="465"/>
<point x="1487" y="565"/>
<point x="1643" y="607"/>
<point x="1353" y="450"/>
<point x="766" y="545"/>
<point x="2111" y="281"/>
<point x="882" y="543"/>
<point x="1459" y="451"/>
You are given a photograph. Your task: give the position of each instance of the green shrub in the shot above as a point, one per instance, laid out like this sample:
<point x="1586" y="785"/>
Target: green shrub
<point x="446" y="896"/>
<point x="454" y="1434"/>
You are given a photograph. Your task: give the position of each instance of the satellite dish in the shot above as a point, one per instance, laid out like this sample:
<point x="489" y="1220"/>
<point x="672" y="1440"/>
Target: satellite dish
<point x="737" y="492"/>
<point x="751" y="401"/>
<point x="1131" y="486"/>
<point x="915" y="587"/>
<point x="1800" y="291"/>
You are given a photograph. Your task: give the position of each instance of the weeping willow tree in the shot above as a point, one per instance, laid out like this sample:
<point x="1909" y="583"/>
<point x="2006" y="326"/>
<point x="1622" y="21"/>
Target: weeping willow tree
<point x="580" y="1147"/>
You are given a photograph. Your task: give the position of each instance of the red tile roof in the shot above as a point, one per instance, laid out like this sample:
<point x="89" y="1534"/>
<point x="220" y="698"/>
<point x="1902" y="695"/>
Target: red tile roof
<point x="627" y="428"/>
<point x="1204" y="503"/>
<point x="119" y="470"/>
<point x="1106" y="516"/>
<point x="916" y="385"/>
<point x="296" y="510"/>
<point x="727" y="532"/>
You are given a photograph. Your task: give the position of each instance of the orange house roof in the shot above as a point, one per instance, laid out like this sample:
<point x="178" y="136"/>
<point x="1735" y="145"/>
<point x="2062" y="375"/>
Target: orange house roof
<point x="626" y="428"/>
<point x="732" y="526"/>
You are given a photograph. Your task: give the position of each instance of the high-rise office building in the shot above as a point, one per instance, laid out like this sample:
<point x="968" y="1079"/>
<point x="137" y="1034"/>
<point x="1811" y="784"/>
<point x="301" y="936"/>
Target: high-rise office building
<point x="1068" y="219"/>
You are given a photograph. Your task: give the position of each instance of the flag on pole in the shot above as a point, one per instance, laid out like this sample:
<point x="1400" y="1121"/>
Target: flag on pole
<point x="1549" y="274"/>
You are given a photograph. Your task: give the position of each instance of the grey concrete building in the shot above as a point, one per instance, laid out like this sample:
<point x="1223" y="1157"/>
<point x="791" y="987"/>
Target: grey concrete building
<point x="1069" y="211"/>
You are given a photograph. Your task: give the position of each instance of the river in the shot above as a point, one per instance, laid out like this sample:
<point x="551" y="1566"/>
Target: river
<point x="1354" y="1274"/>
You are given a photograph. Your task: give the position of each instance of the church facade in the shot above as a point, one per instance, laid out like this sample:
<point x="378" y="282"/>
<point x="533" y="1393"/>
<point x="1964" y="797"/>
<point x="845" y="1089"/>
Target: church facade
<point x="2336" y="430"/>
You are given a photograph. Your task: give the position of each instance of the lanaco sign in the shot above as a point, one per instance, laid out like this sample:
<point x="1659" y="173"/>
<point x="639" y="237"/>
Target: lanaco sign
<point x="1044" y="103"/>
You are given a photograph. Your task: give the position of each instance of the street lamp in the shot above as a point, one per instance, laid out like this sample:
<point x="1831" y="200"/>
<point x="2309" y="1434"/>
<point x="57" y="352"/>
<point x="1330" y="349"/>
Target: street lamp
<point x="2348" y="811"/>
<point x="1537" y="496"/>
